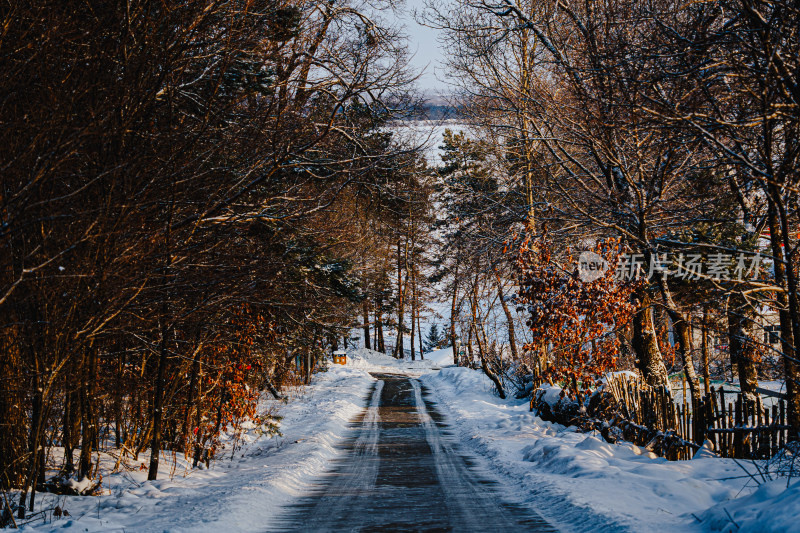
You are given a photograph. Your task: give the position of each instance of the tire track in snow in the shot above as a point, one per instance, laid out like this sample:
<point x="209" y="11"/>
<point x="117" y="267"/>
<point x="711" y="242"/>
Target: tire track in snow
<point x="358" y="474"/>
<point x="467" y="506"/>
<point x="403" y="474"/>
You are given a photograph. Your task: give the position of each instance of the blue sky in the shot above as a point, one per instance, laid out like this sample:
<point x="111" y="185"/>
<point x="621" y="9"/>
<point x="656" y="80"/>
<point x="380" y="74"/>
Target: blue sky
<point x="425" y="49"/>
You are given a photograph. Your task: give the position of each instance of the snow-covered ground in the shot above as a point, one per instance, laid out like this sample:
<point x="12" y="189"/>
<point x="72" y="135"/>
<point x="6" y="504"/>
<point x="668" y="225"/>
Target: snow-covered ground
<point x="243" y="493"/>
<point x="580" y="479"/>
<point x="575" y="480"/>
<point x="373" y="361"/>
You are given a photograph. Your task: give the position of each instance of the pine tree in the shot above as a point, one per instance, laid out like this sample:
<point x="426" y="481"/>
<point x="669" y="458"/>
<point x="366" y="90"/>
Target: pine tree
<point x="435" y="340"/>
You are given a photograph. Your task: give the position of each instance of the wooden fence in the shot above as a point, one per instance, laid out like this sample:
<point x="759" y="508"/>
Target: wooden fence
<point x="741" y="429"/>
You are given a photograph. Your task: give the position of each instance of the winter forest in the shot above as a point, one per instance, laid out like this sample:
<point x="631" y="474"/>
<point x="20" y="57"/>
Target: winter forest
<point x="575" y="267"/>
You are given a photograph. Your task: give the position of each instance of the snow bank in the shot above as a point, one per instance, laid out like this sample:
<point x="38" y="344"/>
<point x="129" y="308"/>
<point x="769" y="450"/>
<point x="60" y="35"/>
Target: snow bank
<point x="549" y="394"/>
<point x="366" y="358"/>
<point x="372" y="361"/>
<point x="443" y="357"/>
<point x="578" y="478"/>
<point x="773" y="507"/>
<point x="243" y="493"/>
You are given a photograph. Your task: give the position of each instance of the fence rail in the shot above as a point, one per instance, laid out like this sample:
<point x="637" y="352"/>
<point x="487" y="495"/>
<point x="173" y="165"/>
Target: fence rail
<point x="744" y="428"/>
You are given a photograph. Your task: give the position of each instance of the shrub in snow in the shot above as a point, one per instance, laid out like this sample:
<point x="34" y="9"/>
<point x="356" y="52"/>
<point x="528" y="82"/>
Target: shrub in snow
<point x="73" y="487"/>
<point x="556" y="405"/>
<point x="786" y="464"/>
<point x="570" y="318"/>
<point x="600" y="410"/>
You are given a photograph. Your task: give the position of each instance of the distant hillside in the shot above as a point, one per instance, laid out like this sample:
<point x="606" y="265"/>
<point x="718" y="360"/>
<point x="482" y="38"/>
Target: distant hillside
<point x="437" y="111"/>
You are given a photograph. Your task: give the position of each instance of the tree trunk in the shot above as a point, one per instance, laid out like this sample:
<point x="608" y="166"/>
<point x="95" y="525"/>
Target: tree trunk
<point x="413" y="339"/>
<point x="512" y="341"/>
<point x="419" y="333"/>
<point x="481" y="347"/>
<point x="469" y="352"/>
<point x="365" y="309"/>
<point x="68" y="439"/>
<point x="648" y="357"/>
<point x="379" y="324"/>
<point x="706" y="370"/>
<point x="413" y="309"/>
<point x="267" y="384"/>
<point x="118" y="402"/>
<point x="198" y="419"/>
<point x="543" y="364"/>
<point x="34" y="442"/>
<point x="398" y="349"/>
<point x="485" y="367"/>
<point x="742" y="346"/>
<point x="680" y="325"/>
<point x="158" y="394"/>
<point x="88" y="414"/>
<point x="158" y="407"/>
<point x="453" y="312"/>
<point x="190" y="401"/>
<point x="791" y="368"/>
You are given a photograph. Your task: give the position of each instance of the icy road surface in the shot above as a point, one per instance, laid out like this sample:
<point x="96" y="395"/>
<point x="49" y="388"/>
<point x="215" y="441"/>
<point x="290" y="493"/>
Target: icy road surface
<point x="400" y="472"/>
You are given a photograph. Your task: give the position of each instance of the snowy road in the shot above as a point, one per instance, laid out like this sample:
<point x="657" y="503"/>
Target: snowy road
<point x="401" y="472"/>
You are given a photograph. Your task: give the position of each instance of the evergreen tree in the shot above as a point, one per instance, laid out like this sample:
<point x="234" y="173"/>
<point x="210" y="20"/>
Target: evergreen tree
<point x="435" y="339"/>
